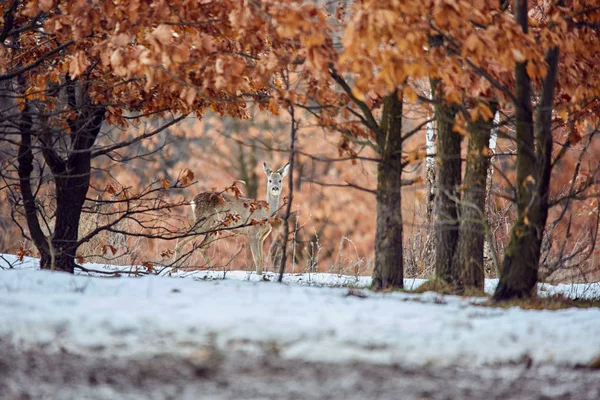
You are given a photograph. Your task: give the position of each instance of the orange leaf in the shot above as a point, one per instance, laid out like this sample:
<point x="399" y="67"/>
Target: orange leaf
<point x="410" y="94"/>
<point x="358" y="94"/>
<point x="187" y="176"/>
<point x="453" y="97"/>
<point x="458" y="128"/>
<point x="167" y="253"/>
<point x="45" y="5"/>
<point x="148" y="267"/>
<point x="107" y="247"/>
<point x="532" y="70"/>
<point x="485" y="111"/>
<point x="273" y="107"/>
<point x="574" y="136"/>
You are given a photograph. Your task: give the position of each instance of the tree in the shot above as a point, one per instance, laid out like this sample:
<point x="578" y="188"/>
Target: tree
<point x="534" y="147"/>
<point x="78" y="64"/>
<point x="473" y="58"/>
<point x="372" y="121"/>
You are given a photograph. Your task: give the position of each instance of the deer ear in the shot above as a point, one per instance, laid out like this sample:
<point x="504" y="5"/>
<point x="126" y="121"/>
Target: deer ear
<point x="284" y="170"/>
<point x="268" y="170"/>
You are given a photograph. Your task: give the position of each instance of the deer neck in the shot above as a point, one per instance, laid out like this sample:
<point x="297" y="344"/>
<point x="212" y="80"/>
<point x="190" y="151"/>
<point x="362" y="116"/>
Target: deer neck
<point x="273" y="203"/>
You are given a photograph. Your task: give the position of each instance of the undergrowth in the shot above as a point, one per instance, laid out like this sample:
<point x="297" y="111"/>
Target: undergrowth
<point x="551" y="302"/>
<point x="442" y="287"/>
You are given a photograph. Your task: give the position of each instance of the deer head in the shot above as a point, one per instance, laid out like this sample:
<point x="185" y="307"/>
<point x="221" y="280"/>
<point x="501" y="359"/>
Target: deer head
<point x="275" y="180"/>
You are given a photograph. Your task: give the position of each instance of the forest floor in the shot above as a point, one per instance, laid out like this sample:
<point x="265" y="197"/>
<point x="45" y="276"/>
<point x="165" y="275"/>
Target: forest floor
<point x="231" y="335"/>
<point x="37" y="374"/>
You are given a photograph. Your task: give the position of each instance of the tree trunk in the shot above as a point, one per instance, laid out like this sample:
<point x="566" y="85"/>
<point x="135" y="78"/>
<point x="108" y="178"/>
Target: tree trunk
<point x="25" y="169"/>
<point x="520" y="267"/>
<point x="489" y="250"/>
<point x="389" y="266"/>
<point x="430" y="169"/>
<point x="469" y="255"/>
<point x="448" y="180"/>
<point x="248" y="175"/>
<point x="71" y="191"/>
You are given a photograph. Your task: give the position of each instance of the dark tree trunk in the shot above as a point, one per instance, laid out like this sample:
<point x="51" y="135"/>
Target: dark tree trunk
<point x="520" y="267"/>
<point x="25" y="169"/>
<point x="71" y="191"/>
<point x="448" y="180"/>
<point x="389" y="267"/>
<point x="469" y="256"/>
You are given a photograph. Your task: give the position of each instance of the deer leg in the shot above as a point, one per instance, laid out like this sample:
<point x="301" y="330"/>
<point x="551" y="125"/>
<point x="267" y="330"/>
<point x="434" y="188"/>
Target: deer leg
<point x="202" y="248"/>
<point x="257" y="253"/>
<point x="178" y="246"/>
<point x="182" y="242"/>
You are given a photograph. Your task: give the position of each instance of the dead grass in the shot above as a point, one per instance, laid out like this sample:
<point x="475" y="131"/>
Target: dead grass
<point x="442" y="287"/>
<point x="554" y="302"/>
<point x="435" y="285"/>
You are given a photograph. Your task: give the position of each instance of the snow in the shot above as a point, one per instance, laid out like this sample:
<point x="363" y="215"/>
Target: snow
<point x="310" y="317"/>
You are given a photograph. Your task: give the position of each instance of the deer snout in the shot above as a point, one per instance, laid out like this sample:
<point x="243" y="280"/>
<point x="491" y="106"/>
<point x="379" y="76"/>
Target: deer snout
<point x="275" y="189"/>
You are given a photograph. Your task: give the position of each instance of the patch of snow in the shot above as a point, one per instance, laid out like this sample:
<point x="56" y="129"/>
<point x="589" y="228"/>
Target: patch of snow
<point x="159" y="314"/>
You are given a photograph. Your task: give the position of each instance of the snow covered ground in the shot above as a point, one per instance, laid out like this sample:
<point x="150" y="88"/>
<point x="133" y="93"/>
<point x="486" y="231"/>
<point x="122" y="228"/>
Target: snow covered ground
<point x="310" y="318"/>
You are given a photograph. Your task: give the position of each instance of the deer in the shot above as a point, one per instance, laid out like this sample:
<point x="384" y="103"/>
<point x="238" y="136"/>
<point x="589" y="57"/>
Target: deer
<point x="211" y="210"/>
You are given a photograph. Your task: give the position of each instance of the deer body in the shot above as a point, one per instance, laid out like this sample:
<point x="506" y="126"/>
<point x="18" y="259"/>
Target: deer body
<point x="211" y="211"/>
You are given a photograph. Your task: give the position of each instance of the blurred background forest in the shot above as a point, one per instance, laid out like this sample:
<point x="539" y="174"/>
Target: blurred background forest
<point x="333" y="222"/>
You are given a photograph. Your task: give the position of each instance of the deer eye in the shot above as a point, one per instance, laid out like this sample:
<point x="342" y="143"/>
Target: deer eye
<point x="270" y="181"/>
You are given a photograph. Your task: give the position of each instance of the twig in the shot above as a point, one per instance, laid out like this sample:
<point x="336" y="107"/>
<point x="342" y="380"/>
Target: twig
<point x="293" y="131"/>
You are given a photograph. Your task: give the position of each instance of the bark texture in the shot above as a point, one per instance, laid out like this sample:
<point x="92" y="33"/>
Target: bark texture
<point x="448" y="179"/>
<point x="490" y="257"/>
<point x="25" y="169"/>
<point x="388" y="271"/>
<point x="534" y="151"/>
<point x="469" y="256"/>
<point x="430" y="170"/>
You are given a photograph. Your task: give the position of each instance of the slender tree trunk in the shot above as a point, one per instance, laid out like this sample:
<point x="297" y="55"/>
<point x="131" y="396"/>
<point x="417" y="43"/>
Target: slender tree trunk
<point x="389" y="265"/>
<point x="469" y="255"/>
<point x="520" y="267"/>
<point x="430" y="168"/>
<point x="448" y="180"/>
<point x="288" y="208"/>
<point x="489" y="251"/>
<point x="25" y="169"/>
<point x="430" y="138"/>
